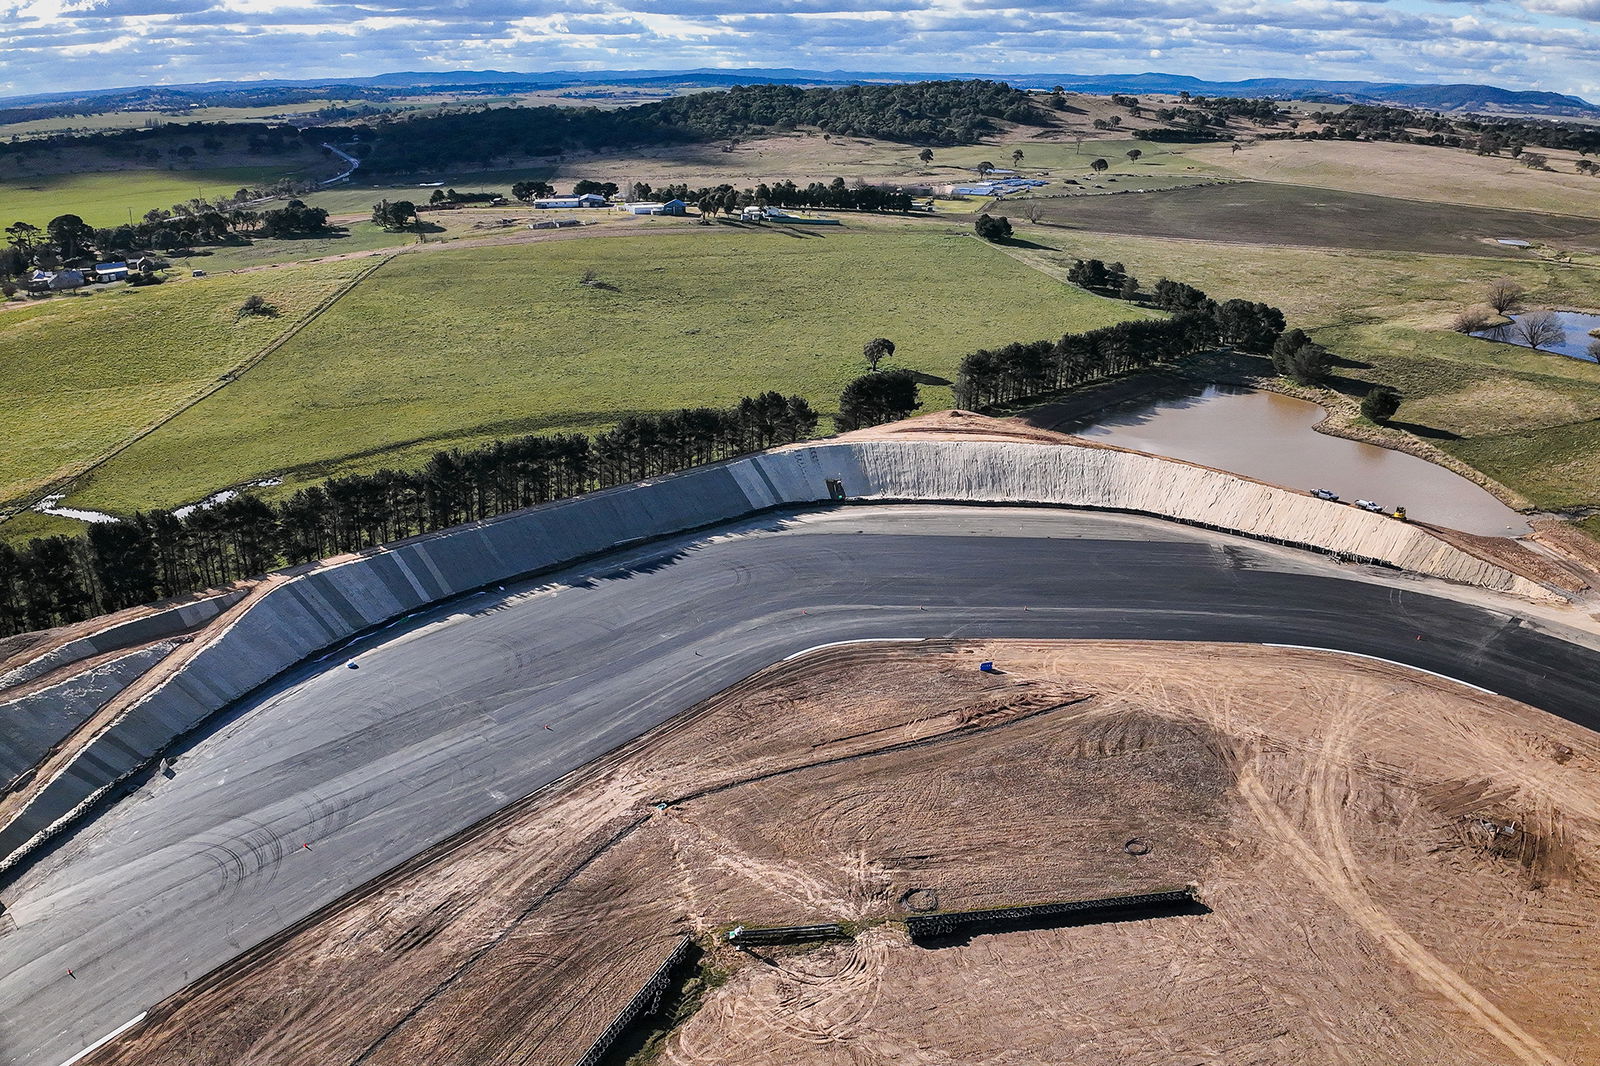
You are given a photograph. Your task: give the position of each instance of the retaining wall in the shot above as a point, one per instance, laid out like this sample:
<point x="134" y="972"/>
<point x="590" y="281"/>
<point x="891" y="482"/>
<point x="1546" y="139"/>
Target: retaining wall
<point x="645" y="1001"/>
<point x="141" y="630"/>
<point x="31" y="725"/>
<point x="322" y="606"/>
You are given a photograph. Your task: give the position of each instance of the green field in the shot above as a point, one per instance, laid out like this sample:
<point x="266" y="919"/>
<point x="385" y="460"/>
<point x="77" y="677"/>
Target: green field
<point x="1523" y="417"/>
<point x="457" y="346"/>
<point x="106" y="199"/>
<point x="83" y="374"/>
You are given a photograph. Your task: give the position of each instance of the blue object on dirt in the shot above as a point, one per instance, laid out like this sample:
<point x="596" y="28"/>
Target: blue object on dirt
<point x="353" y="666"/>
<point x="987" y="668"/>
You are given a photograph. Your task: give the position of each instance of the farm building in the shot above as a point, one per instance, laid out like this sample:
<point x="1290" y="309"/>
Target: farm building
<point x="995" y="188"/>
<point x="671" y="207"/>
<point x="66" y="279"/>
<point x="588" y="199"/>
<point x="555" y="223"/>
<point x="39" y="281"/>
<point x="777" y="214"/>
<point x="111" y="272"/>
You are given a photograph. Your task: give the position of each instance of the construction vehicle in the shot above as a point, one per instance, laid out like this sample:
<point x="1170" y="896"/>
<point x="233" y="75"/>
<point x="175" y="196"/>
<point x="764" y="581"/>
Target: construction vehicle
<point x="1400" y="513"/>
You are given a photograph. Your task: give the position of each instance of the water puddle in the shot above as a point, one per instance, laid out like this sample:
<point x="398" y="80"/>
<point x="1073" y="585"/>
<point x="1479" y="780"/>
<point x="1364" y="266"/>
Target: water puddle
<point x="1270" y="438"/>
<point x="51" y="505"/>
<point x="1578" y="340"/>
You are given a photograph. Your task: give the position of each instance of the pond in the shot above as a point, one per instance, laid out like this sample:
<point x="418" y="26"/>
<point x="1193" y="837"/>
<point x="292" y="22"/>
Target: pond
<point x="1577" y="325"/>
<point x="1269" y="437"/>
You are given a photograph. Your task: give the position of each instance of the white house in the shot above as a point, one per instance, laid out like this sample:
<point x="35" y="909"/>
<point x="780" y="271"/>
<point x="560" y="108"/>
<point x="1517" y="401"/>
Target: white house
<point x="588" y="199"/>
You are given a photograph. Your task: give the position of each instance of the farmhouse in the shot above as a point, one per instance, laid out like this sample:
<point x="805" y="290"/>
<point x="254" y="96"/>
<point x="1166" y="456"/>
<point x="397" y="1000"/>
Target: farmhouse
<point x="671" y="207"/>
<point x="588" y="199"/>
<point x="111" y="272"/>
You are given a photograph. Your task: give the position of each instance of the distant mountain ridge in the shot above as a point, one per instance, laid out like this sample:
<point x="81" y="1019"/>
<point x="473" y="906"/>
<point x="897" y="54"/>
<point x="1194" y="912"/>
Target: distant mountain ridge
<point x="1455" y="97"/>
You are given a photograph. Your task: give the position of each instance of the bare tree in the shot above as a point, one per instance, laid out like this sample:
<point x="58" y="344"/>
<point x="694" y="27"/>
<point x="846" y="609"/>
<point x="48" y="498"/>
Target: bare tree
<point x="1473" y="320"/>
<point x="1539" y="329"/>
<point x="1504" y="295"/>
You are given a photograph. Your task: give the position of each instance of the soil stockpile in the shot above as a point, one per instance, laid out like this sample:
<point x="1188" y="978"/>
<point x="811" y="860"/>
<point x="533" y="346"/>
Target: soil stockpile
<point x="1396" y="869"/>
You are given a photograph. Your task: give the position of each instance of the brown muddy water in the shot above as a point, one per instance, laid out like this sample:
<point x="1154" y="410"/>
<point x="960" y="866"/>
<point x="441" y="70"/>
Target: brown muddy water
<point x="1269" y="437"/>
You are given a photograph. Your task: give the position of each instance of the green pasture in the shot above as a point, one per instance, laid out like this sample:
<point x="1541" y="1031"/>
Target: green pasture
<point x="83" y="374"/>
<point x="458" y="346"/>
<point x="107" y="199"/>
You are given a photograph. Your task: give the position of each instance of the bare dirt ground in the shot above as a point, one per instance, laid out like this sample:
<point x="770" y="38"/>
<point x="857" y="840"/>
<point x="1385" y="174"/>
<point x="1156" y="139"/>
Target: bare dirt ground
<point x="1398" y="870"/>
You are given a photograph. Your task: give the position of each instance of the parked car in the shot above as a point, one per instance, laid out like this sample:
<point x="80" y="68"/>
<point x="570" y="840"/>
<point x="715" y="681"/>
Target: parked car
<point x="1324" y="494"/>
<point x="1368" y="505"/>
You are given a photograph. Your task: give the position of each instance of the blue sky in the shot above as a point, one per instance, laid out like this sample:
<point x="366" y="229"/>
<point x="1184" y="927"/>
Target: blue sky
<point x="49" y="45"/>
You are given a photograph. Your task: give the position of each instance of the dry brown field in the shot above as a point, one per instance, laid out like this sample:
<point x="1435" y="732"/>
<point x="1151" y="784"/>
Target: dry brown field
<point x="1397" y="870"/>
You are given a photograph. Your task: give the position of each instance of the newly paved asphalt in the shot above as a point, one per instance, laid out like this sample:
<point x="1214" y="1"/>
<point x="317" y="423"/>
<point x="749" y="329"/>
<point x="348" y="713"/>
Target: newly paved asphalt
<point x="444" y="721"/>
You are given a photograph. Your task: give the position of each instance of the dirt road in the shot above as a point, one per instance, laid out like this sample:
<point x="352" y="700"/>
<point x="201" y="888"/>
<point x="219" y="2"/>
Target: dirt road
<point x="1398" y="870"/>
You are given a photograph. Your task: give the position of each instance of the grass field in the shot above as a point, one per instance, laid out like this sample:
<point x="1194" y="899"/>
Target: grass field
<point x="1439" y="174"/>
<point x="106" y="199"/>
<point x="1260" y="213"/>
<point x="83" y="374"/>
<point x="462" y="345"/>
<point x="1518" y="415"/>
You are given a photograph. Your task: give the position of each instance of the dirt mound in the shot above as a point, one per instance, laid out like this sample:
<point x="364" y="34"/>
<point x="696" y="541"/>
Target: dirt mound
<point x="1397" y="870"/>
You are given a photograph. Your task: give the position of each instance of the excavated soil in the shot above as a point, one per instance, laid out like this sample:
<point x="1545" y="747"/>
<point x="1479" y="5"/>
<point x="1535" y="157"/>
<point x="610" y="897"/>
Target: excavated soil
<point x="1397" y="870"/>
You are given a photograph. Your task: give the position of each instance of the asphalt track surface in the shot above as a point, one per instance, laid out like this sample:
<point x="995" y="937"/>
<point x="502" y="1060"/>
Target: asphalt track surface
<point x="332" y="776"/>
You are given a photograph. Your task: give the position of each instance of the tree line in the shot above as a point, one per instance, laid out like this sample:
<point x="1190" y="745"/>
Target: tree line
<point x="936" y="113"/>
<point x="157" y="554"/>
<point x="67" y="239"/>
<point x="1473" y="133"/>
<point x="1028" y="370"/>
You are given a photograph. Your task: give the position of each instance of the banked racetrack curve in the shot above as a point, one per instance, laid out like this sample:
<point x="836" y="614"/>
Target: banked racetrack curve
<point x="445" y="721"/>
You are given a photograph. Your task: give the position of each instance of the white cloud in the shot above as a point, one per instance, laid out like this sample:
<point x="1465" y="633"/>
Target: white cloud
<point x="65" y="44"/>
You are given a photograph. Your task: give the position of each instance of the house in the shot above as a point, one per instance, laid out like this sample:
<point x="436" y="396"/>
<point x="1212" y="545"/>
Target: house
<point x="753" y="214"/>
<point x="104" y="272"/>
<point x="66" y="279"/>
<point x="588" y="199"/>
<point x="39" y="281"/>
<point x="644" y="207"/>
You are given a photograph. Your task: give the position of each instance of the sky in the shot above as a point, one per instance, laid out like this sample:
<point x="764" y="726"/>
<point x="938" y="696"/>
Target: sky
<point x="58" y="45"/>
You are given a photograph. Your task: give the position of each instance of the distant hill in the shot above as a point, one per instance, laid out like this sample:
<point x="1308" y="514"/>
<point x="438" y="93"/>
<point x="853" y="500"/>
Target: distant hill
<point x="1451" y="98"/>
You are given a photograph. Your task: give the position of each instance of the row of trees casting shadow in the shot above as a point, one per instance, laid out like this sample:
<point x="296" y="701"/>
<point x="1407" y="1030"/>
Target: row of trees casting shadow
<point x="157" y="554"/>
<point x="59" y="579"/>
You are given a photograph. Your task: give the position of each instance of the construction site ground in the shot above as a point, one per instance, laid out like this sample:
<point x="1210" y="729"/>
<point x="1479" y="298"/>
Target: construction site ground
<point x="1398" y="869"/>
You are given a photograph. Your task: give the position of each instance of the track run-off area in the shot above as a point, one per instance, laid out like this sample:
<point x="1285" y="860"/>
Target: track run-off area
<point x="331" y="775"/>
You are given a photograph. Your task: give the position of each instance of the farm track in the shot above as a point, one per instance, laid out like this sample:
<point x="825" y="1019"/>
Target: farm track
<point x="64" y="484"/>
